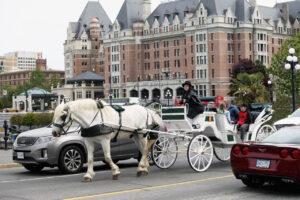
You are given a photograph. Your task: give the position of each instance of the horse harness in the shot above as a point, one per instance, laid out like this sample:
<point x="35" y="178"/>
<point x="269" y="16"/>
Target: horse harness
<point x="102" y="129"/>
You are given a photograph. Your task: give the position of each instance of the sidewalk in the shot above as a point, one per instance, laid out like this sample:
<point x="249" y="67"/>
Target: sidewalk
<point x="6" y="159"/>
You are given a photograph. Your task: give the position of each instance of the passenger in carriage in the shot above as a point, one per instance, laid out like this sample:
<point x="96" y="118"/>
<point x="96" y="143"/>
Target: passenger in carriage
<point x="190" y="97"/>
<point x="243" y="121"/>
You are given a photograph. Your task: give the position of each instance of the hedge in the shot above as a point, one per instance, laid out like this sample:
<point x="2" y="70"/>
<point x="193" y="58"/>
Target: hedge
<point x="31" y="119"/>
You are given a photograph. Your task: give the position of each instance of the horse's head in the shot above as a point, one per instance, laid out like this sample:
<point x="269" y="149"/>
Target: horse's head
<point x="61" y="119"/>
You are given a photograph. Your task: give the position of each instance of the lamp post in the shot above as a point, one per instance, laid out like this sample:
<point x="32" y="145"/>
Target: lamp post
<point x="270" y="90"/>
<point x="168" y="96"/>
<point x="292" y="64"/>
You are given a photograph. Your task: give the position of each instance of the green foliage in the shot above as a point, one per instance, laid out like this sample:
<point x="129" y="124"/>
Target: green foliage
<point x="282" y="77"/>
<point x="28" y="119"/>
<point x="32" y="119"/>
<point x="16" y="120"/>
<point x="248" y="88"/>
<point x="43" y="119"/>
<point x="38" y="79"/>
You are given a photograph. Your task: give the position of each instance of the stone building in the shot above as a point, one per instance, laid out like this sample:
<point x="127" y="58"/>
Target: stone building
<point x="17" y="78"/>
<point x="83" y="48"/>
<point x="86" y="85"/>
<point x="146" y="54"/>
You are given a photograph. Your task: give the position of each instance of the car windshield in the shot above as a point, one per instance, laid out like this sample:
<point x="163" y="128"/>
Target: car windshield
<point x="285" y="136"/>
<point x="296" y="113"/>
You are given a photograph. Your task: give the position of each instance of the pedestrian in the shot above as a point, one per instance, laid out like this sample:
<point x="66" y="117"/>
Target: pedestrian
<point x="234" y="112"/>
<point x="190" y="97"/>
<point x="243" y="122"/>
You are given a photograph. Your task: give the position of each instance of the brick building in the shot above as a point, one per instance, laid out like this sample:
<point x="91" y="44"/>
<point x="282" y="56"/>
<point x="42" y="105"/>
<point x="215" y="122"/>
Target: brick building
<point x="21" y="77"/>
<point x="145" y="54"/>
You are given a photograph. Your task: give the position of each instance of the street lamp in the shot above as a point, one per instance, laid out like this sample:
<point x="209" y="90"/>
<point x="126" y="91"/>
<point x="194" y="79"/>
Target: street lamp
<point x="270" y="90"/>
<point x="168" y="96"/>
<point x="292" y="64"/>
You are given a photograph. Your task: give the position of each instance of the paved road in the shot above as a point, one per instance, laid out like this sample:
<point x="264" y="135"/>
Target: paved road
<point x="179" y="182"/>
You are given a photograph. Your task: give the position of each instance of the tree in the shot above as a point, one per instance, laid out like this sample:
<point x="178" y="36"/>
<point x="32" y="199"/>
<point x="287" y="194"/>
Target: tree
<point x="282" y="77"/>
<point x="247" y="66"/>
<point x="37" y="79"/>
<point x="248" y="88"/>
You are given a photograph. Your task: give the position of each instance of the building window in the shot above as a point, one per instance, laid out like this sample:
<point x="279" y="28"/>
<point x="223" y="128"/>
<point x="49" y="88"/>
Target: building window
<point x="213" y="90"/>
<point x="88" y="94"/>
<point x="79" y="95"/>
<point x="213" y="73"/>
<point x="212" y="58"/>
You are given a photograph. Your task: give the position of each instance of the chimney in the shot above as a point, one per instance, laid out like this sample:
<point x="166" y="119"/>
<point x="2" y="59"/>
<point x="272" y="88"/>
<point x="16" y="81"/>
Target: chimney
<point x="252" y="3"/>
<point x="285" y="11"/>
<point x="146" y="8"/>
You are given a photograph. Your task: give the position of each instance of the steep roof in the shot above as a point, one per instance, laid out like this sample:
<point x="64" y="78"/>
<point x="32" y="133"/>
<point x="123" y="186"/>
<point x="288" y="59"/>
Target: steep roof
<point x="87" y="76"/>
<point x="130" y="12"/>
<point x="92" y="9"/>
<point x="171" y="8"/>
<point x="294" y="8"/>
<point x="36" y="91"/>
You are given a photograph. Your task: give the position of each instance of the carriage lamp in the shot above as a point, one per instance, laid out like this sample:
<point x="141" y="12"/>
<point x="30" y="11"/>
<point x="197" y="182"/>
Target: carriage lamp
<point x="292" y="64"/>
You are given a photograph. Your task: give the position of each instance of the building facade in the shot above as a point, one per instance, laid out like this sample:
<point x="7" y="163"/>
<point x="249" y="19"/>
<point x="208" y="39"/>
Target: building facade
<point x="17" y="78"/>
<point x="21" y="60"/>
<point x="1" y="64"/>
<point x="147" y="54"/>
<point x="83" y="48"/>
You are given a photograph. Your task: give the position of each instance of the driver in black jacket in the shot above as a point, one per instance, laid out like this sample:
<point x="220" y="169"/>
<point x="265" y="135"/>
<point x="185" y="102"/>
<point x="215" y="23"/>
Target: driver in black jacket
<point x="190" y="97"/>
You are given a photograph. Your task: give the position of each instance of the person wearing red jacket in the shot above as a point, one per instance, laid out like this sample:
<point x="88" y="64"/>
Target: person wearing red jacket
<point x="243" y="122"/>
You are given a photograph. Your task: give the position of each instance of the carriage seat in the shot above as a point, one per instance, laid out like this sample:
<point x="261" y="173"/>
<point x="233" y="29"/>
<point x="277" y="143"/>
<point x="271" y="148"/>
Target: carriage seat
<point x="222" y="122"/>
<point x="117" y="108"/>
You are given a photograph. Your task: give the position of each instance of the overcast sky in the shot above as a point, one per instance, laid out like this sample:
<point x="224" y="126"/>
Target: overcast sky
<point x="41" y="25"/>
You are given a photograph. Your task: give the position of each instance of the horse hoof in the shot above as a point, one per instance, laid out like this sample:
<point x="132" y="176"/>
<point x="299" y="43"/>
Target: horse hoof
<point x="87" y="180"/>
<point x="115" y="177"/>
<point x="142" y="173"/>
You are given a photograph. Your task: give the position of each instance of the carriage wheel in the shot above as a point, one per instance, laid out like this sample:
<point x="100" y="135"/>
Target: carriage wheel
<point x="200" y="153"/>
<point x="263" y="132"/>
<point x="222" y="154"/>
<point x="164" y="152"/>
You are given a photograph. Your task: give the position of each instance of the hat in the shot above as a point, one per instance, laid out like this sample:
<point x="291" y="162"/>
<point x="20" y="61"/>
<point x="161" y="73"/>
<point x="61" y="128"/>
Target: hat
<point x="187" y="83"/>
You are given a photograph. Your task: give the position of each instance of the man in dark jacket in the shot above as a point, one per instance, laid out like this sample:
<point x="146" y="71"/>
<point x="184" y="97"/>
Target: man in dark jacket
<point x="190" y="98"/>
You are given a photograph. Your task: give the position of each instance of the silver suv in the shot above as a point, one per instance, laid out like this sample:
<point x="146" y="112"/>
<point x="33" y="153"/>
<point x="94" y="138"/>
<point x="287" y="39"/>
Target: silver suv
<point x="36" y="149"/>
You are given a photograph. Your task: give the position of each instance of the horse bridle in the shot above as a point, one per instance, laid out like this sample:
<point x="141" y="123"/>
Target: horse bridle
<point x="61" y="126"/>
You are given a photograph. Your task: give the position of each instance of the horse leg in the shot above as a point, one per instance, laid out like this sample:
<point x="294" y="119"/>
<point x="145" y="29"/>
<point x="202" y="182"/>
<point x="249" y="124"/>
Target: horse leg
<point x="90" y="170"/>
<point x="141" y="142"/>
<point x="107" y="156"/>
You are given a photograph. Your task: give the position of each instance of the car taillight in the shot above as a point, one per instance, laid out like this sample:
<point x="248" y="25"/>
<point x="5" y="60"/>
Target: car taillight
<point x="236" y="150"/>
<point x="296" y="154"/>
<point x="284" y="153"/>
<point x="245" y="151"/>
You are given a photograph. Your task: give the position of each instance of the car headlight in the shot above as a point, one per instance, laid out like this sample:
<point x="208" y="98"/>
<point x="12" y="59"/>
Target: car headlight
<point x="46" y="139"/>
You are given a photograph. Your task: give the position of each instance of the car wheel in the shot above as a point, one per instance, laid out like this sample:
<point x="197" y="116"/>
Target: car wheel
<point x="71" y="160"/>
<point x="35" y="168"/>
<point x="253" y="182"/>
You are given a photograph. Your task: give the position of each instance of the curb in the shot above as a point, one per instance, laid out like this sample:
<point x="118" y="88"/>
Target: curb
<point x="9" y="165"/>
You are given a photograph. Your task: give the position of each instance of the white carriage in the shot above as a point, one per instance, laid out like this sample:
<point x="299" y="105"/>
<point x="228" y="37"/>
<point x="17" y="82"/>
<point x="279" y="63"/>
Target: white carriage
<point x="211" y="135"/>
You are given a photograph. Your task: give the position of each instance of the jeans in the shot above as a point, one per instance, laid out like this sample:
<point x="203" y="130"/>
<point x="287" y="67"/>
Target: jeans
<point x="243" y="129"/>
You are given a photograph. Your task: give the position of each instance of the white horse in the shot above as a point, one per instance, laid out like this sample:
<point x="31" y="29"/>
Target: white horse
<point x="89" y="113"/>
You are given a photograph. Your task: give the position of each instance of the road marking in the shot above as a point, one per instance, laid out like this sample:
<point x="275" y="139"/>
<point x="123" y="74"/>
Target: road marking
<point x="9" y="165"/>
<point x="148" y="188"/>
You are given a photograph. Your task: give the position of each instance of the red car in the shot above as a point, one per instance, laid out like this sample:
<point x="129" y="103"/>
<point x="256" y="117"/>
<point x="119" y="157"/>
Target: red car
<point x="276" y="159"/>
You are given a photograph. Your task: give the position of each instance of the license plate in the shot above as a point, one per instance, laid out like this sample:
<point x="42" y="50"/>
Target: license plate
<point x="20" y="155"/>
<point x="263" y="164"/>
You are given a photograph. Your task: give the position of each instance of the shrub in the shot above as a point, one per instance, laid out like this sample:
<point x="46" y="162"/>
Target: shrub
<point x="32" y="119"/>
<point x="16" y="120"/>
